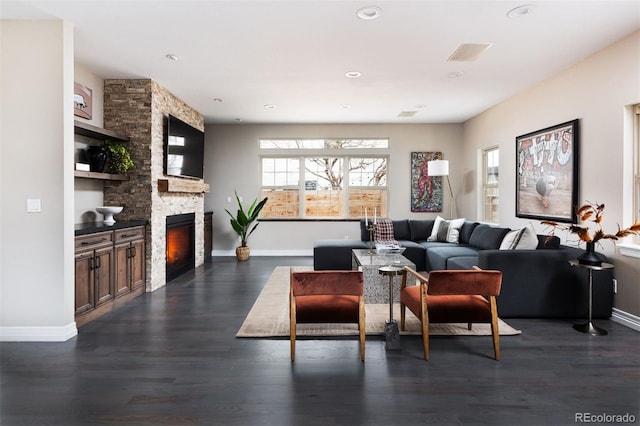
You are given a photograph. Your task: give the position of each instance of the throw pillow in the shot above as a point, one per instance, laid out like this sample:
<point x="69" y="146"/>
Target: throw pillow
<point x="384" y="230"/>
<point x="520" y="239"/>
<point x="446" y="231"/>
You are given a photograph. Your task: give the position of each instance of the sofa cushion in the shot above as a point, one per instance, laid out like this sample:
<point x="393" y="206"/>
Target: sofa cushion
<point x="438" y="256"/>
<point x="334" y="254"/>
<point x="520" y="239"/>
<point x="466" y="231"/>
<point x="420" y="229"/>
<point x="401" y="230"/>
<point x="487" y="237"/>
<point x="462" y="262"/>
<point x="548" y="242"/>
<point x="416" y="253"/>
<point x="446" y="230"/>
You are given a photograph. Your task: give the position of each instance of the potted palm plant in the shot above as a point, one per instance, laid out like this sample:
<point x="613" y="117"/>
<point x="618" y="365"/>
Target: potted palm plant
<point x="242" y="224"/>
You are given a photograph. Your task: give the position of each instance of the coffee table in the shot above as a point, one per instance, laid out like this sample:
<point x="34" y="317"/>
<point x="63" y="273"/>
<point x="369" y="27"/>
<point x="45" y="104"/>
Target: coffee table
<point x="376" y="286"/>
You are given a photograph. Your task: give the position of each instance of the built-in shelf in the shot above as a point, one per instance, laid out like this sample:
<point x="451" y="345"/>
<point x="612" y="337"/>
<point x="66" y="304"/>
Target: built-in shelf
<point x="101" y="176"/>
<point x="94" y="132"/>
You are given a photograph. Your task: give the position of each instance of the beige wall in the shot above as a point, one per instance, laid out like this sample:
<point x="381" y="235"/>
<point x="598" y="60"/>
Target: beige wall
<point x="596" y="91"/>
<point x="232" y="163"/>
<point x="36" y="162"/>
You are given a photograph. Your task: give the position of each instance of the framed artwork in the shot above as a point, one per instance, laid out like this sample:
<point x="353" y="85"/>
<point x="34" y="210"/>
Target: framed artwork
<point x="426" y="191"/>
<point x="82" y="101"/>
<point x="547" y="173"/>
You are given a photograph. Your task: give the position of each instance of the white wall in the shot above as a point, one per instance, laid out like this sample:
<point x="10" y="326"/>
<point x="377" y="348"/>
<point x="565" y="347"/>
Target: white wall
<point x="88" y="192"/>
<point x="36" y="249"/>
<point x="595" y="91"/>
<point x="232" y="162"/>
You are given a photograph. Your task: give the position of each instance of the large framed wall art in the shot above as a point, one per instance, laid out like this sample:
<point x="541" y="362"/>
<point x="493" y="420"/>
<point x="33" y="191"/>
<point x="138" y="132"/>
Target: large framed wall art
<point x="426" y="191"/>
<point x="547" y="173"/>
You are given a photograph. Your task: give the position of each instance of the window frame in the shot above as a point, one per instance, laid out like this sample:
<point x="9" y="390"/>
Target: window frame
<point x="485" y="185"/>
<point x="345" y="154"/>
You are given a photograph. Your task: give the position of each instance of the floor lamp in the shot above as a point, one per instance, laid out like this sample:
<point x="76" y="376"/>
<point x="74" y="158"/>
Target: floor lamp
<point x="441" y="168"/>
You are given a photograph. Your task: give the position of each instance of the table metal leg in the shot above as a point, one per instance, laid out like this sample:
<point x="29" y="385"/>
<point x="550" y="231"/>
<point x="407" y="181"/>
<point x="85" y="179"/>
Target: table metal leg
<point x="589" y="327"/>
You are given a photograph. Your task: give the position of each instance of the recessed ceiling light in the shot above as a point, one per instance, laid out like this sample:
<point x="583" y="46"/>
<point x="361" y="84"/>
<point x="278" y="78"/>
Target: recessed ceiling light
<point x="455" y="74"/>
<point x="353" y="74"/>
<point x="345" y="106"/>
<point x="218" y="100"/>
<point x="270" y="106"/>
<point x="172" y="57"/>
<point x="369" y="12"/>
<point x="524" y="10"/>
<point x="238" y="119"/>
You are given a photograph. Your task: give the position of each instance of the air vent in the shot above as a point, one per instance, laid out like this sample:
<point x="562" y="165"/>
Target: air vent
<point x="407" y="113"/>
<point x="469" y="52"/>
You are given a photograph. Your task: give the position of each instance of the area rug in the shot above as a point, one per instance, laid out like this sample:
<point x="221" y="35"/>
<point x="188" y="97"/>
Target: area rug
<point x="269" y="317"/>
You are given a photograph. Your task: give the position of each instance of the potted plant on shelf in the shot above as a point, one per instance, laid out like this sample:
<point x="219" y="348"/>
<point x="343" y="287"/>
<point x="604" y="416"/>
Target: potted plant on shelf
<point x="242" y="224"/>
<point x="119" y="158"/>
<point x="592" y="232"/>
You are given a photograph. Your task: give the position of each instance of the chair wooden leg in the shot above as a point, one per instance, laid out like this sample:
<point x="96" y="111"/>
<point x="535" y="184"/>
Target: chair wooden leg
<point x="402" y="316"/>
<point x="469" y="326"/>
<point x="424" y="320"/>
<point x="362" y="327"/>
<point x="292" y="326"/>
<point x="495" y="332"/>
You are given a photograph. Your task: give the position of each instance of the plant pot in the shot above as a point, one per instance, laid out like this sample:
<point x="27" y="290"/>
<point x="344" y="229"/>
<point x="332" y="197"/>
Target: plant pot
<point x="589" y="257"/>
<point x="242" y="253"/>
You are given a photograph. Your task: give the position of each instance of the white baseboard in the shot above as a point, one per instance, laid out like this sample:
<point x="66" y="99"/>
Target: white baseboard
<point x="38" y="334"/>
<point x="626" y="319"/>
<point x="306" y="252"/>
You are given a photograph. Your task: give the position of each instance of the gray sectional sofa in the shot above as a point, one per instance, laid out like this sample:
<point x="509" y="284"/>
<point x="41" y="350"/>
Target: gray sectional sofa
<point x="537" y="283"/>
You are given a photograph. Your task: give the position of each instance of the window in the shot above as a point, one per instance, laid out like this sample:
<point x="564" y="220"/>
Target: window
<point x="490" y="175"/>
<point x="324" y="178"/>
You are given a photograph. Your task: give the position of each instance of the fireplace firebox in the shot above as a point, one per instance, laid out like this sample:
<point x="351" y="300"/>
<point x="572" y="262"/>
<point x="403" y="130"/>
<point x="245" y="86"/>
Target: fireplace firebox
<point x="180" y="239"/>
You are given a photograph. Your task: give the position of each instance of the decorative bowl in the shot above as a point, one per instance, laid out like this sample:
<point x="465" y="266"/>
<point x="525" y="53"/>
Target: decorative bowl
<point x="108" y="212"/>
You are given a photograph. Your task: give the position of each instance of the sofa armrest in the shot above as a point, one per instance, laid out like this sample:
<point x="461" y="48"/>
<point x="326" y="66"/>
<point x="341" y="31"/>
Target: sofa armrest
<point x="542" y="284"/>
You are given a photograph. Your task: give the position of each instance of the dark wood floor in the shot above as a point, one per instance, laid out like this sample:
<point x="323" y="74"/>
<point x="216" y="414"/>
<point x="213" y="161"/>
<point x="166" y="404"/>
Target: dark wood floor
<point x="171" y="358"/>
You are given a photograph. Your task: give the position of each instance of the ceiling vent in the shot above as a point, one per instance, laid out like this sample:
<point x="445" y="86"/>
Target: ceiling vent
<point x="407" y="113"/>
<point x="469" y="52"/>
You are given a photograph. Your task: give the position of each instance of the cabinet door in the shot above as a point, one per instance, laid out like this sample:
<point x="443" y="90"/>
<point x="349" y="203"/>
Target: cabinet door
<point x="138" y="264"/>
<point x="103" y="277"/>
<point x="121" y="269"/>
<point x="84" y="282"/>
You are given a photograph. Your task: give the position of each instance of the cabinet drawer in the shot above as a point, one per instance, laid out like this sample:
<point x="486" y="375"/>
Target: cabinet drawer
<point x="94" y="241"/>
<point x="129" y="234"/>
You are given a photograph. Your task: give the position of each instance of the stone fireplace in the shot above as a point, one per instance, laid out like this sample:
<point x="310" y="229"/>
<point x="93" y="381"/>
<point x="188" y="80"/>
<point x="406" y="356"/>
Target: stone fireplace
<point x="137" y="109"/>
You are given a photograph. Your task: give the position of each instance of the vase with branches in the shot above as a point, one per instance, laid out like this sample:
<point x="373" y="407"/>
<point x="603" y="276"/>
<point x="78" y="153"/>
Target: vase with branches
<point x="590" y="231"/>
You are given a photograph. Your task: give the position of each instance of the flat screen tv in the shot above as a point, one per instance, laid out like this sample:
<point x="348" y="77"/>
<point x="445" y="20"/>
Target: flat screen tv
<point x="183" y="149"/>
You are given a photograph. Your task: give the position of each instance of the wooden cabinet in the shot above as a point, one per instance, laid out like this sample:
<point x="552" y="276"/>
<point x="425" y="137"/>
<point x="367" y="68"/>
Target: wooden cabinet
<point x="130" y="259"/>
<point x="93" y="271"/>
<point x="110" y="269"/>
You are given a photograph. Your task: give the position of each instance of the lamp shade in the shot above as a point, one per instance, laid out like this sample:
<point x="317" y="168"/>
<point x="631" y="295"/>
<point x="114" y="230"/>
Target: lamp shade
<point x="438" y="168"/>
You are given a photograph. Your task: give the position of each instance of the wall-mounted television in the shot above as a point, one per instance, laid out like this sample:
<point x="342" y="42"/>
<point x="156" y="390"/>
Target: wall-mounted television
<point x="183" y="149"/>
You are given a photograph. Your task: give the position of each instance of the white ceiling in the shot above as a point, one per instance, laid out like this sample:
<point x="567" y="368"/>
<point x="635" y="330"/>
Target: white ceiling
<point x="294" y="54"/>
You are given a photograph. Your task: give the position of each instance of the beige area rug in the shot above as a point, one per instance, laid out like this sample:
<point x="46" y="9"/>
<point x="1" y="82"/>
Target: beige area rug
<point x="269" y="317"/>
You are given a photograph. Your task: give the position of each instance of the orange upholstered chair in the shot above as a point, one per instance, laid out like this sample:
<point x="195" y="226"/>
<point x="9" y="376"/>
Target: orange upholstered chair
<point x="453" y="297"/>
<point x="326" y="297"/>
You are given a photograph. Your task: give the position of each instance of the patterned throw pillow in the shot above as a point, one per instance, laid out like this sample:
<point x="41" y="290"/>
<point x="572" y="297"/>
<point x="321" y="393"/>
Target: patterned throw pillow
<point x="384" y="230"/>
<point x="446" y="231"/>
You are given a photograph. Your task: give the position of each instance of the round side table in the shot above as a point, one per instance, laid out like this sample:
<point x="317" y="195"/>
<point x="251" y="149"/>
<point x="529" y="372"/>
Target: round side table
<point x="589" y="328"/>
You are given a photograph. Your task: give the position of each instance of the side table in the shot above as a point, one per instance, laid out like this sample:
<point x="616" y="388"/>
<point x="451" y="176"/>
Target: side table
<point x="391" y="333"/>
<point x="589" y="327"/>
